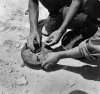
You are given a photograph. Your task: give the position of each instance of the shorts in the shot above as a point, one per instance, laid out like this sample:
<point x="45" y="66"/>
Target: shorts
<point x="90" y="48"/>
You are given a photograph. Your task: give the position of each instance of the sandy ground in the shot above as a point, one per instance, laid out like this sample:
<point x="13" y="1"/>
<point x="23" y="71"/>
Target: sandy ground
<point x="15" y="78"/>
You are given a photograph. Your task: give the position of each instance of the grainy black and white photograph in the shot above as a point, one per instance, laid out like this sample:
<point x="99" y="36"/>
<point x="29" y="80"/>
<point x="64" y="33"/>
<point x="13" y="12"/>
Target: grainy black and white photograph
<point x="49" y="46"/>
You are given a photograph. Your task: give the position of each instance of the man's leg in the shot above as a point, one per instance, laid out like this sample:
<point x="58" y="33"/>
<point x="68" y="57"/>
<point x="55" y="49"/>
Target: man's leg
<point x="82" y="29"/>
<point x="57" y="10"/>
<point x="54" y="19"/>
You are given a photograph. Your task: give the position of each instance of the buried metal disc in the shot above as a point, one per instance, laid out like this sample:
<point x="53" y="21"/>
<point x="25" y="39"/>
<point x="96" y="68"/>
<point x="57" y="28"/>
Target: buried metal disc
<point x="34" y="59"/>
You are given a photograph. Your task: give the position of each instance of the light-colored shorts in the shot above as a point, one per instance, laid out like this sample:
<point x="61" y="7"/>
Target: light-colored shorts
<point x="90" y="48"/>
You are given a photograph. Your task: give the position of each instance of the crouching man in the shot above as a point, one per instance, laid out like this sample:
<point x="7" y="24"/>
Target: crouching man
<point x="89" y="48"/>
<point x="56" y="23"/>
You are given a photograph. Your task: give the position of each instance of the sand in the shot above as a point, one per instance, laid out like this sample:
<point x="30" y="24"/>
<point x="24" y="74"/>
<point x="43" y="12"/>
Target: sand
<point x="16" y="78"/>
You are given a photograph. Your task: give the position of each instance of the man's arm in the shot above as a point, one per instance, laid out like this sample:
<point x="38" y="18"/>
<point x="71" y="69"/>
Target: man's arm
<point x="34" y="35"/>
<point x="53" y="58"/>
<point x="55" y="36"/>
<point x="33" y="15"/>
<point x="73" y="9"/>
<point x="72" y="53"/>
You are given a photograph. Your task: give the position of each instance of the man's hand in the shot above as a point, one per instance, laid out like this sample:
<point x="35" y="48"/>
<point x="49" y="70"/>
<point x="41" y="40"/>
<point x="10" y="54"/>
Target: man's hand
<point x="33" y="39"/>
<point x="50" y="60"/>
<point x="54" y="38"/>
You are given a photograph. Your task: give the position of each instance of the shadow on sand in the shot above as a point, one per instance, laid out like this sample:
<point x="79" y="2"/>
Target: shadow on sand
<point x="86" y="71"/>
<point x="77" y="92"/>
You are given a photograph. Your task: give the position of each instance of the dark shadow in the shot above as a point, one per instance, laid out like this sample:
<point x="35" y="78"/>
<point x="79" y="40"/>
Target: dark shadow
<point x="60" y="48"/>
<point x="78" y="42"/>
<point x="77" y="92"/>
<point x="86" y="71"/>
<point x="93" y="62"/>
<point x="55" y="68"/>
<point x="36" y="67"/>
<point x="50" y="69"/>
